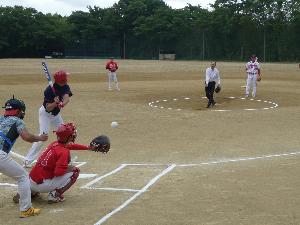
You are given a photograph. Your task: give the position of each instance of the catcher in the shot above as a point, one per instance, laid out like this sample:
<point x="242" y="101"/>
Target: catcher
<point x="53" y="173"/>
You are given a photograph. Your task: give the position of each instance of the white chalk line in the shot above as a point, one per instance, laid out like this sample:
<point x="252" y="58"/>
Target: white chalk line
<point x="150" y="183"/>
<point x="239" y="159"/>
<point x="8" y="185"/>
<point x="114" y="189"/>
<point x="154" y="104"/>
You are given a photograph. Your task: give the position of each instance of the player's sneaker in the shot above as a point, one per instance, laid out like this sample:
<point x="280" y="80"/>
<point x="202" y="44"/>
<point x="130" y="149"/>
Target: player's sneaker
<point x="30" y="212"/>
<point x="27" y="164"/>
<point x="53" y="197"/>
<point x="16" y="198"/>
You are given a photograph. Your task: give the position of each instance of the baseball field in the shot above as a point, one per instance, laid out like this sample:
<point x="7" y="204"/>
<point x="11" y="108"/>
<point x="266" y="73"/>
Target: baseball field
<point x="172" y="160"/>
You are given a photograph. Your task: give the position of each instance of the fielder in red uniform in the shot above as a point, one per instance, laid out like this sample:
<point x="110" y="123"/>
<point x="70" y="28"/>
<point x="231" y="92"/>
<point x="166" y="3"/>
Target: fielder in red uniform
<point x="112" y="67"/>
<point x="53" y="172"/>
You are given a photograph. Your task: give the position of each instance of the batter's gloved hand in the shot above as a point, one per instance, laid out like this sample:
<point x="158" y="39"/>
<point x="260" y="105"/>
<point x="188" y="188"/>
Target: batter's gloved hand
<point x="60" y="105"/>
<point x="100" y="144"/>
<point x="218" y="89"/>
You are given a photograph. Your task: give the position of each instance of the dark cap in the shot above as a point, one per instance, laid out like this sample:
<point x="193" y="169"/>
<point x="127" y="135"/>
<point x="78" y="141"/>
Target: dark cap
<point x="12" y="106"/>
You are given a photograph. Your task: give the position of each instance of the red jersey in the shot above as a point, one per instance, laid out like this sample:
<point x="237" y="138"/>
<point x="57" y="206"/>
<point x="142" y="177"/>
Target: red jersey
<point x="112" y="66"/>
<point x="53" y="162"/>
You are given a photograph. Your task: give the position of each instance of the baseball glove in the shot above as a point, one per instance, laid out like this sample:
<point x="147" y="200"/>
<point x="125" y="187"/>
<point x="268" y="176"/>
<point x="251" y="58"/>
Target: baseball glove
<point x="100" y="144"/>
<point x="218" y="89"/>
<point x="258" y="78"/>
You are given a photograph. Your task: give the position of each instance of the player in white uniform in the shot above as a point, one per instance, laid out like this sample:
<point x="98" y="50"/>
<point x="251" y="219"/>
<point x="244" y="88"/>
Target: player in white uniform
<point x="253" y="73"/>
<point x="212" y="77"/>
<point x="11" y="127"/>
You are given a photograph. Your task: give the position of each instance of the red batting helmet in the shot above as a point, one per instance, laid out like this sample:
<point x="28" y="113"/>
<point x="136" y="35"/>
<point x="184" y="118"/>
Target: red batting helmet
<point x="61" y="77"/>
<point x="65" y="132"/>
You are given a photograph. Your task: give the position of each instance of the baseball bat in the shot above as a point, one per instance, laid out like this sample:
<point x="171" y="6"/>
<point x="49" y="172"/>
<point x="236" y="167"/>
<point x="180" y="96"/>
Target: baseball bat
<point x="48" y="76"/>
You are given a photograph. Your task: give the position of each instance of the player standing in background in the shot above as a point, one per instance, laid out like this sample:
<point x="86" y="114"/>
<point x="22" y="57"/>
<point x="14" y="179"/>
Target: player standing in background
<point x="11" y="127"/>
<point x="112" y="67"/>
<point x="49" y="112"/>
<point x="253" y="75"/>
<point x="212" y="77"/>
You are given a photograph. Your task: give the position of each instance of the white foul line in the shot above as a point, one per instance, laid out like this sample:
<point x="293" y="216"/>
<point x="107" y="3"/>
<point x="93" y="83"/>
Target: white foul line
<point x="7" y="184"/>
<point x="117" y="189"/>
<point x="151" y="182"/>
<point x="239" y="159"/>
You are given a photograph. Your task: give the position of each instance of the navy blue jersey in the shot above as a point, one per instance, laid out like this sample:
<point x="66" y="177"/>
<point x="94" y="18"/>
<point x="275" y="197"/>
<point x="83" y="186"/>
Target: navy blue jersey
<point x="10" y="128"/>
<point x="60" y="91"/>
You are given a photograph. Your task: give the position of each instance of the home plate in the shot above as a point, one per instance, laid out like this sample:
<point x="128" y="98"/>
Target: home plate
<point x="86" y="175"/>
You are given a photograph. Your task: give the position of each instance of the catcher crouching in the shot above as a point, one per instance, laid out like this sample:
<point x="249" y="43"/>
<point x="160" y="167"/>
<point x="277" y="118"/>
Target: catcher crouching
<point x="53" y="173"/>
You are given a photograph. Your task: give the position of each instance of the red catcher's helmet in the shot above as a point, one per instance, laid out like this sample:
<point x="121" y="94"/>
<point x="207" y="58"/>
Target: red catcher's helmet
<point x="65" y="132"/>
<point x="61" y="77"/>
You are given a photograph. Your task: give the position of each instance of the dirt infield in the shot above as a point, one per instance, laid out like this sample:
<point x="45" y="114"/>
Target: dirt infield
<point x="172" y="162"/>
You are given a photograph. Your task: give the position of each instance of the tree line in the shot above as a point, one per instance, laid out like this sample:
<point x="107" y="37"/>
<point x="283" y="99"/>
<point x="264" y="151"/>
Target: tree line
<point x="140" y="29"/>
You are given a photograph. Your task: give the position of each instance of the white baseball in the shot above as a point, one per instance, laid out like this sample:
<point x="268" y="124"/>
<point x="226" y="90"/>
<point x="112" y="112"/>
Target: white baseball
<point x="114" y="124"/>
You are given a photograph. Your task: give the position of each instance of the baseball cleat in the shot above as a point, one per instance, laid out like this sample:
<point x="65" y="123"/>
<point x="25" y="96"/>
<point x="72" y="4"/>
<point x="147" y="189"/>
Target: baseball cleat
<point x="53" y="198"/>
<point x="16" y="198"/>
<point x="30" y="212"/>
<point x="27" y="164"/>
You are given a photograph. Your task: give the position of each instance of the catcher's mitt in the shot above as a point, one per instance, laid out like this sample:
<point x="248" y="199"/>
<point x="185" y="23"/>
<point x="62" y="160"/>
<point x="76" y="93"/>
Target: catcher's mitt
<point x="218" y="89"/>
<point x="258" y="78"/>
<point x="100" y="144"/>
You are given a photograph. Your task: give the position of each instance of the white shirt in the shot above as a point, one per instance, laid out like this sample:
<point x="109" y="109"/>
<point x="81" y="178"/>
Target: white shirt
<point x="252" y="68"/>
<point x="212" y="75"/>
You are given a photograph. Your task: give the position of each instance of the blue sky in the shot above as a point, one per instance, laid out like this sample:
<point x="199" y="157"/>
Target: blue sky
<point x="65" y="7"/>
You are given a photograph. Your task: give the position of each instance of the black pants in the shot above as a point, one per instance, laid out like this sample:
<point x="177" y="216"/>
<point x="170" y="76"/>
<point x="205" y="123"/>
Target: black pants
<point x="209" y="91"/>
